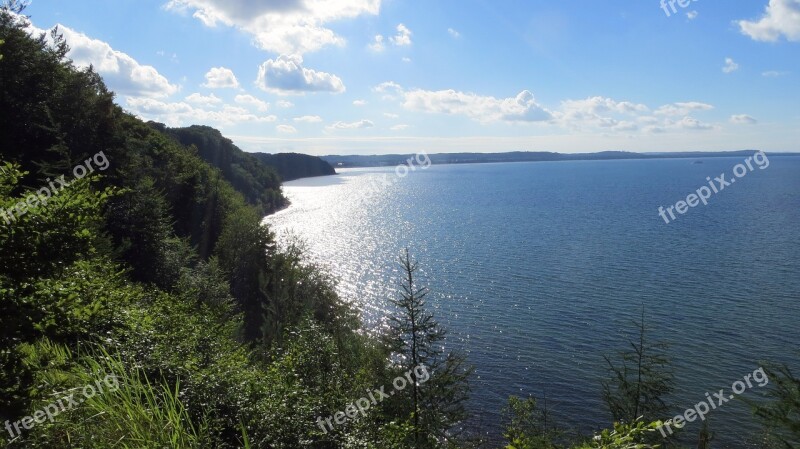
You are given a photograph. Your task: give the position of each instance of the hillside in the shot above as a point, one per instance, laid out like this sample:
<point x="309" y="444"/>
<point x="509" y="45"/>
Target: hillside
<point x="259" y="183"/>
<point x="293" y="166"/>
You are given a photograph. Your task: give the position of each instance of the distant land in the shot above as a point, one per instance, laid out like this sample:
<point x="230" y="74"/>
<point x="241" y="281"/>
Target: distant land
<point x="525" y="156"/>
<point x="293" y="166"/>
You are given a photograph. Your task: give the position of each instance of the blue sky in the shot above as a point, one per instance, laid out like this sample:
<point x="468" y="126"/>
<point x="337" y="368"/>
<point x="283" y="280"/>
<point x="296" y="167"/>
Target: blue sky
<point x="381" y="76"/>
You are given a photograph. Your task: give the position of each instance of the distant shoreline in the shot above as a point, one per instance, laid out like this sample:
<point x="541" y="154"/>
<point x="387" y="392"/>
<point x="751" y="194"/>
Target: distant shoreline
<point x="356" y="161"/>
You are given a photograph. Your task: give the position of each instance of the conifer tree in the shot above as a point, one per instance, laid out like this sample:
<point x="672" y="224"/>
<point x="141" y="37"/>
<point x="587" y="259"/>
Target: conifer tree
<point x="417" y="340"/>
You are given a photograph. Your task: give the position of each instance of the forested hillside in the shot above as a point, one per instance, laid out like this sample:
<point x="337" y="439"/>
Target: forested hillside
<point x="293" y="166"/>
<point x="125" y="254"/>
<point x="259" y="183"/>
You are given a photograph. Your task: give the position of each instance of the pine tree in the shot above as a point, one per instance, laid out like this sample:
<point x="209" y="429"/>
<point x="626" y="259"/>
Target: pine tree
<point x="416" y="340"/>
<point x="638" y="386"/>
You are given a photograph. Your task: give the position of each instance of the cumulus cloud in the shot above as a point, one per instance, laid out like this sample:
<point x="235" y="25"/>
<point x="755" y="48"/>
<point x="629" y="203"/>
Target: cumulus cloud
<point x="203" y="100"/>
<point x="403" y="37"/>
<point x="730" y="66"/>
<point x="308" y="119"/>
<point x="598" y="111"/>
<point x="221" y="78"/>
<point x="377" y="45"/>
<point x="691" y="15"/>
<point x="685" y="108"/>
<point x="389" y="90"/>
<point x="690" y="123"/>
<point x="280" y="26"/>
<point x="399" y="127"/>
<point x="593" y="113"/>
<point x="522" y="108"/>
<point x="455" y="34"/>
<point x="361" y="124"/>
<point x="781" y="18"/>
<point x="250" y="100"/>
<point x="284" y="104"/>
<point x="286" y="129"/>
<point x="359" y="103"/>
<point x="184" y="114"/>
<point x="121" y="73"/>
<point x="743" y="119"/>
<point x="286" y="75"/>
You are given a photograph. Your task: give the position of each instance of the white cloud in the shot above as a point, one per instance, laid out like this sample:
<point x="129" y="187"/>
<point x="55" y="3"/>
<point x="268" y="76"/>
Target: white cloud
<point x="284" y="104"/>
<point x="406" y="59"/>
<point x="286" y="129"/>
<point x="183" y="114"/>
<point x="399" y="127"/>
<point x="221" y="78"/>
<point x="389" y="89"/>
<point x="781" y="18"/>
<point x="280" y="26"/>
<point x="286" y="75"/>
<point x="308" y="119"/>
<point x="390" y="115"/>
<point x="774" y="73"/>
<point x="692" y="15"/>
<point x="121" y="73"/>
<point x="625" y="126"/>
<point x="250" y="100"/>
<point x="403" y="37"/>
<point x="730" y="66"/>
<point x="361" y="124"/>
<point x="378" y="45"/>
<point x="743" y="119"/>
<point x="598" y="111"/>
<point x="690" y="123"/>
<point x="359" y="103"/>
<point x="676" y="109"/>
<point x="455" y="34"/>
<point x="203" y="100"/>
<point x="522" y="108"/>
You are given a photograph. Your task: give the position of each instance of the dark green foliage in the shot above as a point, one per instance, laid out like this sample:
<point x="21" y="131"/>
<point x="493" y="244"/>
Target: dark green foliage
<point x="53" y="115"/>
<point x="641" y="381"/>
<point x="781" y="414"/>
<point x="291" y="166"/>
<point x="259" y="183"/>
<point x="294" y="289"/>
<point x="529" y="427"/>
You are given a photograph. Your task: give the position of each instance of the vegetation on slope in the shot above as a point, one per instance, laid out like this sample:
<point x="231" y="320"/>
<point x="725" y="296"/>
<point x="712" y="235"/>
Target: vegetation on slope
<point x="293" y="166"/>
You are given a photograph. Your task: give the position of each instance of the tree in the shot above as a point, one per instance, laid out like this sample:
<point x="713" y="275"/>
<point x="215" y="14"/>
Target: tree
<point x="529" y="427"/>
<point x="638" y="385"/>
<point x="781" y="415"/>
<point x="416" y="340"/>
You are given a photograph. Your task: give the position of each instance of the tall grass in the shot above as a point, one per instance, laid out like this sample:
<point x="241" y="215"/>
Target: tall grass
<point x="137" y="414"/>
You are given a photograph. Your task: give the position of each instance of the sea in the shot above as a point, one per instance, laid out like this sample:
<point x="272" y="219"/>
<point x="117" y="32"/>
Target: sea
<point x="539" y="269"/>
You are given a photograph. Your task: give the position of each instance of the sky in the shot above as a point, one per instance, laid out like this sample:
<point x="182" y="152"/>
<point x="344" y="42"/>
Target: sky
<point x="400" y="76"/>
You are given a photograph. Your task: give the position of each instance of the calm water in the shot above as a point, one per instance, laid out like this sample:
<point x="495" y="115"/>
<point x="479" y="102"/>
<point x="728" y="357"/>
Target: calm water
<point x="538" y="269"/>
